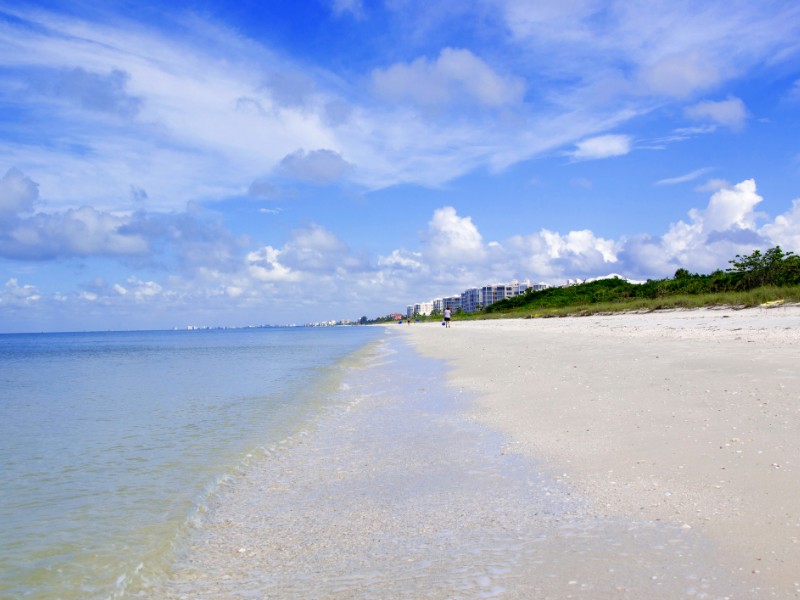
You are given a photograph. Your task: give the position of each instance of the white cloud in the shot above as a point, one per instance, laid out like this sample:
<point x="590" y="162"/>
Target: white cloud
<point x="452" y="239"/>
<point x="454" y="75"/>
<point x="730" y="207"/>
<point x="17" y="194"/>
<point x="727" y="226"/>
<point x="784" y="231"/>
<point x="15" y="294"/>
<point x="730" y="113"/>
<point x="682" y="74"/>
<point x="76" y="232"/>
<point x="402" y="259"/>
<point x="319" y="166"/>
<point x="603" y="146"/>
<point x="556" y="256"/>
<point x="684" y="178"/>
<point x="217" y="103"/>
<point x="314" y="249"/>
<point x="451" y="257"/>
<point x="264" y="265"/>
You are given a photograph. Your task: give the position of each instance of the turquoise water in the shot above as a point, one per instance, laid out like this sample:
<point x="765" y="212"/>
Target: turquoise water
<point x="111" y="444"/>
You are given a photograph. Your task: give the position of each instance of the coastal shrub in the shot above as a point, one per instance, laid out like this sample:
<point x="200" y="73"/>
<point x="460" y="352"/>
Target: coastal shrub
<point x="773" y="268"/>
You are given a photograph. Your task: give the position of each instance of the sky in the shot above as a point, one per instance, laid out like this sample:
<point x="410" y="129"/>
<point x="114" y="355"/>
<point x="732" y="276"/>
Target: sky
<point x="267" y="162"/>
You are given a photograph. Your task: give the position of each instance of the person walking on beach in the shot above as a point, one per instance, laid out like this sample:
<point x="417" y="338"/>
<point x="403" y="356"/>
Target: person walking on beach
<point x="447" y="316"/>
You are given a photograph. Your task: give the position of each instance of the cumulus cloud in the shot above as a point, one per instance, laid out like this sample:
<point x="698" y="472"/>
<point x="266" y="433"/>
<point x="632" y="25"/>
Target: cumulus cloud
<point x="730" y="208"/>
<point x="603" y="146"/>
<point x="190" y="238"/>
<point x="729" y="113"/>
<point x="454" y="75"/>
<point x="727" y="226"/>
<point x="785" y="229"/>
<point x="264" y="265"/>
<point x="452" y="256"/>
<point x="452" y="239"/>
<point x="79" y="232"/>
<point x="14" y="294"/>
<point x="314" y="249"/>
<point x="551" y="254"/>
<point x="403" y="260"/>
<point x="134" y="289"/>
<point x="318" y="166"/>
<point x="18" y="195"/>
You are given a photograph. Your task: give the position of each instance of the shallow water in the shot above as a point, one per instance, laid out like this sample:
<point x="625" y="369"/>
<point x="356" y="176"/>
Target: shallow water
<point x="393" y="493"/>
<point x="111" y="443"/>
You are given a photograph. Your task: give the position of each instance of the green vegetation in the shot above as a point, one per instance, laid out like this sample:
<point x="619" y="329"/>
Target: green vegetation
<point x="752" y="280"/>
<point x="759" y="278"/>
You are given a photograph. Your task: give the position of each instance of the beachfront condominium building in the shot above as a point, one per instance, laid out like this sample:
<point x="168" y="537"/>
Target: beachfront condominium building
<point x="451" y="302"/>
<point x="500" y="291"/>
<point x="494" y="293"/>
<point x="471" y="300"/>
<point x="474" y="299"/>
<point x="420" y="308"/>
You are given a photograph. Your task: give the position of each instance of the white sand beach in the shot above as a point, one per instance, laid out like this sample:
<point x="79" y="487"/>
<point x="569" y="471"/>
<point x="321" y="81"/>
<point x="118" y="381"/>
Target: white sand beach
<point x="687" y="417"/>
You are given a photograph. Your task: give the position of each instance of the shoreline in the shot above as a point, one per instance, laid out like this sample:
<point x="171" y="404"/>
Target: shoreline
<point x="393" y="491"/>
<point x="687" y="417"/>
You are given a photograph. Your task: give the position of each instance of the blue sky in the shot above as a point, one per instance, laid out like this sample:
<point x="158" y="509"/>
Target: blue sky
<point x="279" y="162"/>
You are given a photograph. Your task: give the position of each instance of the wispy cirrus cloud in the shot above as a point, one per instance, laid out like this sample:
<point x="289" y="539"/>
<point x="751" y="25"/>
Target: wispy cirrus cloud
<point x="152" y="106"/>
<point x="696" y="174"/>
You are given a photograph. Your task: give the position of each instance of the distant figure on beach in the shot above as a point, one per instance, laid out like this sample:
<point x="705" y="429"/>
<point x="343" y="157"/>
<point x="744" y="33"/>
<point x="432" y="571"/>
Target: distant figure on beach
<point x="447" y="316"/>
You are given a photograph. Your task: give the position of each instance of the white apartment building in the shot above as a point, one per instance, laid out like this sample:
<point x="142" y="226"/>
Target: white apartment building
<point x="420" y="308"/>
<point x="474" y="299"/>
<point x="500" y="291"/>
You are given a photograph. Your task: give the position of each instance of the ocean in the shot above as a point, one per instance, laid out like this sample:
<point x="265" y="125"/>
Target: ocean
<point x="112" y="444"/>
<point x="293" y="463"/>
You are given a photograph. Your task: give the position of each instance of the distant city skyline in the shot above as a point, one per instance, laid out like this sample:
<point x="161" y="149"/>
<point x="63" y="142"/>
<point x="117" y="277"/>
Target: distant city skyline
<point x="273" y="162"/>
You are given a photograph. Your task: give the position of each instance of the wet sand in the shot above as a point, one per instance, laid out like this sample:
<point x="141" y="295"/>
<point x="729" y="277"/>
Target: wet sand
<point x="395" y="491"/>
<point x="689" y="418"/>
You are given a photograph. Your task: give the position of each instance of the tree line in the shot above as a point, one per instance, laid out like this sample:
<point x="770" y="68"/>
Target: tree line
<point x="774" y="267"/>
